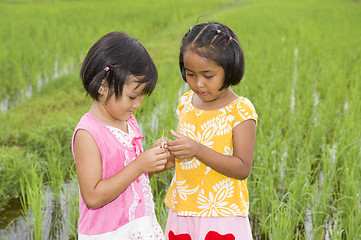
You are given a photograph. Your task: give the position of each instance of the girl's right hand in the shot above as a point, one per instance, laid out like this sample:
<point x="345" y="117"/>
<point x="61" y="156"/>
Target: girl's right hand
<point x="183" y="147"/>
<point x="152" y="160"/>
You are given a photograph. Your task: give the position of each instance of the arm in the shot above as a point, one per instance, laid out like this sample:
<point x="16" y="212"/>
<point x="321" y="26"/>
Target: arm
<point x="97" y="191"/>
<point x="237" y="166"/>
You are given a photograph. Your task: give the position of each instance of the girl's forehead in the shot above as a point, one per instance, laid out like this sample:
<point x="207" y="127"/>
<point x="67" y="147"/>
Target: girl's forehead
<point x="192" y="59"/>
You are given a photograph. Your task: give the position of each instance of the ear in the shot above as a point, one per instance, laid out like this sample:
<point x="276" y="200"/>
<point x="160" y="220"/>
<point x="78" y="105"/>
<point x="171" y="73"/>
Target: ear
<point x="102" y="87"/>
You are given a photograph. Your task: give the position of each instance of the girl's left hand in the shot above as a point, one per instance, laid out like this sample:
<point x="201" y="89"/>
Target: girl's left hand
<point x="183" y="147"/>
<point x="163" y="143"/>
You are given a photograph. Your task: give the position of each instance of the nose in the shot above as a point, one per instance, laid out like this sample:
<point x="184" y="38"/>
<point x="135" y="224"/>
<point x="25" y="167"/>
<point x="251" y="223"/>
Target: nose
<point x="199" y="82"/>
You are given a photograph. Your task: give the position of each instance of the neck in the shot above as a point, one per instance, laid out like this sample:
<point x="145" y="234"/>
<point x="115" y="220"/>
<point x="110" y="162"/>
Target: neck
<point x="98" y="110"/>
<point x="223" y="100"/>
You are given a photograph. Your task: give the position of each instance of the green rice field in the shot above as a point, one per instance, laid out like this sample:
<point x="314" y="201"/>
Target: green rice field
<point x="303" y="75"/>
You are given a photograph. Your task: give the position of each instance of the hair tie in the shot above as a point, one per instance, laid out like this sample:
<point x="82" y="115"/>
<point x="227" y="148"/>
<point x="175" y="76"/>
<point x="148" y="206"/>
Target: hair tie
<point x="230" y="38"/>
<point x="218" y="31"/>
<point x="106" y="69"/>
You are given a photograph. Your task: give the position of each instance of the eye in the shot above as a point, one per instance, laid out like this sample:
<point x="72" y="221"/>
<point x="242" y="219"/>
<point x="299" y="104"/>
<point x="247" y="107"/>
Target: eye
<point x="208" y="77"/>
<point x="132" y="98"/>
<point x="189" y="74"/>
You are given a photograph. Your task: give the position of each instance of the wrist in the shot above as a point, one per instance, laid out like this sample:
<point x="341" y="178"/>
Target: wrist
<point x="137" y="166"/>
<point x="199" y="148"/>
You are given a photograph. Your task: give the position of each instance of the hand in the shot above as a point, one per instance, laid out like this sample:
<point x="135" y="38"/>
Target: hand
<point x="170" y="162"/>
<point x="161" y="142"/>
<point x="153" y="160"/>
<point x="183" y="147"/>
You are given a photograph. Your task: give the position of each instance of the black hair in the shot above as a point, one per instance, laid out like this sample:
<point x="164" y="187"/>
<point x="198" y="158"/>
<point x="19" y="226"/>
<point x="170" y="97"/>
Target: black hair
<point x="115" y="58"/>
<point x="218" y="43"/>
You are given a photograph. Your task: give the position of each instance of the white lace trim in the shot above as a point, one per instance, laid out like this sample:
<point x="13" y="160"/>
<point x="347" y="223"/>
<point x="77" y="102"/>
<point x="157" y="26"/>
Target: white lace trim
<point x="127" y="139"/>
<point x="145" y="228"/>
<point x="148" y="196"/>
<point x="123" y="137"/>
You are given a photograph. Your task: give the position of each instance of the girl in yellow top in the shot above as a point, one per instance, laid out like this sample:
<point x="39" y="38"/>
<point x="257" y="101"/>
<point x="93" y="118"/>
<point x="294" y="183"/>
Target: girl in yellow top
<point x="214" y="145"/>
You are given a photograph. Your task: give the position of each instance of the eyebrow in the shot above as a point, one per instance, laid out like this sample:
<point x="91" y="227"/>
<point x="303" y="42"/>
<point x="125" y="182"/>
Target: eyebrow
<point x="205" y="71"/>
<point x="136" y="92"/>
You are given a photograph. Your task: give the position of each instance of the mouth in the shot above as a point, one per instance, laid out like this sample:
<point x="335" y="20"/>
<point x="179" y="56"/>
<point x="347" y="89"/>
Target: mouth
<point x="203" y="94"/>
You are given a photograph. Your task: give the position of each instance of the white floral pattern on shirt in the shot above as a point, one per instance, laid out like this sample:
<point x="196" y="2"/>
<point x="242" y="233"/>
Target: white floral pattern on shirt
<point x="214" y="130"/>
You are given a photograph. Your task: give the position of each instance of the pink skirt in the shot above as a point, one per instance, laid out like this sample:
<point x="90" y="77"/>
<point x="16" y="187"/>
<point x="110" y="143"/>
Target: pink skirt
<point x="207" y="228"/>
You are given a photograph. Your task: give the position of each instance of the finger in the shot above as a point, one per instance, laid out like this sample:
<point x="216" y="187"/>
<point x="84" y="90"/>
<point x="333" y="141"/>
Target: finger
<point x="175" y="134"/>
<point x="162" y="156"/>
<point x="180" y="156"/>
<point x="177" y="142"/>
<point x="175" y="148"/>
<point x="177" y="154"/>
<point x="158" y="150"/>
<point x="159" y="168"/>
<point x="162" y="162"/>
<point x="170" y="143"/>
<point x="156" y="144"/>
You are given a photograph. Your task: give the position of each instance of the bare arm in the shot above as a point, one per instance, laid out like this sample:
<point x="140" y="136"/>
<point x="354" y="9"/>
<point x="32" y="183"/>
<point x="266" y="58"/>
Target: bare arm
<point x="97" y="191"/>
<point x="237" y="166"/>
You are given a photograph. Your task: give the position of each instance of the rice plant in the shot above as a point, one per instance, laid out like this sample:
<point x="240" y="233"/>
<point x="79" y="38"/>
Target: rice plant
<point x="303" y="70"/>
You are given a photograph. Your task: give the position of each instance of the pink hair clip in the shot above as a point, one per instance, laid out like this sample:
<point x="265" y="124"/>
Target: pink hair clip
<point x="218" y="31"/>
<point x="106" y="69"/>
<point x="230" y="38"/>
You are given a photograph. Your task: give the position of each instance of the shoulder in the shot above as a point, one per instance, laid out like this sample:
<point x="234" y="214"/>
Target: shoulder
<point x="245" y="110"/>
<point x="90" y="123"/>
<point x="87" y="132"/>
<point x="186" y="98"/>
<point x="184" y="101"/>
<point x="245" y="103"/>
<point x="97" y="130"/>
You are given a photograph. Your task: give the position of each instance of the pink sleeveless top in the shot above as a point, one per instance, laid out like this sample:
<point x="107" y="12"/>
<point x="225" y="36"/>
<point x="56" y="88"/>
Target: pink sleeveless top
<point x="135" y="202"/>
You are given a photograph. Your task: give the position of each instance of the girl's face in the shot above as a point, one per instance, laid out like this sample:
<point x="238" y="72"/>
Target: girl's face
<point x="204" y="77"/>
<point x="122" y="108"/>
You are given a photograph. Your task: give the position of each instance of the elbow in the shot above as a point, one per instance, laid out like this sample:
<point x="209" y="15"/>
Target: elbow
<point x="242" y="173"/>
<point x="92" y="202"/>
<point x="243" y="176"/>
<point x="240" y="176"/>
<point x="92" y="205"/>
<point x="244" y="169"/>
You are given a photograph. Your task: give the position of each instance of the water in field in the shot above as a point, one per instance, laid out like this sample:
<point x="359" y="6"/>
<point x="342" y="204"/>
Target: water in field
<point x="15" y="226"/>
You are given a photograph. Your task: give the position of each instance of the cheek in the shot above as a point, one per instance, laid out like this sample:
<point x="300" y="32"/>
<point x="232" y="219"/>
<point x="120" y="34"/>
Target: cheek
<point x="218" y="82"/>
<point x="190" y="82"/>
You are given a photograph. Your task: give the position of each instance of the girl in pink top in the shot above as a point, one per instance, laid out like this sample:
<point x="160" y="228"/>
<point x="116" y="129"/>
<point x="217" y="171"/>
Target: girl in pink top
<point x="115" y="200"/>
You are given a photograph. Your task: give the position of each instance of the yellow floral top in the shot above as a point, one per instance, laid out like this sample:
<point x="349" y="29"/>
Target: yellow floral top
<point x="196" y="189"/>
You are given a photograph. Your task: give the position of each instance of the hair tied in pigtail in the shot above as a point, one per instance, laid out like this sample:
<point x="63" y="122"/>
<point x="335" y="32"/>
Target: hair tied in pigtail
<point x="106" y="69"/>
